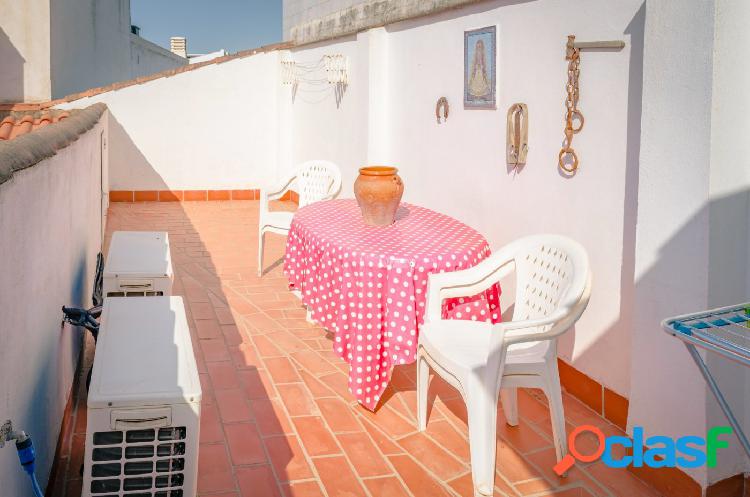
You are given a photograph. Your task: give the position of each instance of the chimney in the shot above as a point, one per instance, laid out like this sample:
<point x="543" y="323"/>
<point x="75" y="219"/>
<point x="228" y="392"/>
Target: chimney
<point x="178" y="45"/>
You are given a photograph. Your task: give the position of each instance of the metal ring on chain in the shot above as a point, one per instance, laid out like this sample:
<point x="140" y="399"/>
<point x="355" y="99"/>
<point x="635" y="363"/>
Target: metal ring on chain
<point x="576" y="113"/>
<point x="564" y="152"/>
<point x="571" y="104"/>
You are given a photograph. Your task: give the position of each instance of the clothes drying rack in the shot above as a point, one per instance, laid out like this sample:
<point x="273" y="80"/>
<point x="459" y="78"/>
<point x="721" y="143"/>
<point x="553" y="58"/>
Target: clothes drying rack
<point x="724" y="331"/>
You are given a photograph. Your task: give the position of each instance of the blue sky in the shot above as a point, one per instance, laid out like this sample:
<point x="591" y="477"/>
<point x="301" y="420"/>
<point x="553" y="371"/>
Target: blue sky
<point x="209" y="25"/>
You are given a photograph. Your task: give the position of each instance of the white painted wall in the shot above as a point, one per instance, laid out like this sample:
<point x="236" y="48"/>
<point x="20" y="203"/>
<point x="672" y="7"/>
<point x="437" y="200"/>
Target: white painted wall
<point x="321" y="127"/>
<point x="92" y="46"/>
<point x="668" y="397"/>
<point x="729" y="204"/>
<point x="50" y="226"/>
<point x="50" y="49"/>
<point x="388" y="115"/>
<point x="148" y="58"/>
<point x="24" y="51"/>
<point x="211" y="128"/>
<point x="640" y="203"/>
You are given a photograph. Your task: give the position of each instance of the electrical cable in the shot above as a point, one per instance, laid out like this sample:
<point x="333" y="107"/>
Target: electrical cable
<point x="27" y="457"/>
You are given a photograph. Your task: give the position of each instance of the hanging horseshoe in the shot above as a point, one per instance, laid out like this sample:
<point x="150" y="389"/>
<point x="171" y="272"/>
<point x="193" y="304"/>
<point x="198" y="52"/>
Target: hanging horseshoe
<point x="442" y="103"/>
<point x="517" y="141"/>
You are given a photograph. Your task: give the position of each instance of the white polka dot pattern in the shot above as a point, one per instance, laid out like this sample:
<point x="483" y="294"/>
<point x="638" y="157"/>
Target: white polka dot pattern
<point x="368" y="284"/>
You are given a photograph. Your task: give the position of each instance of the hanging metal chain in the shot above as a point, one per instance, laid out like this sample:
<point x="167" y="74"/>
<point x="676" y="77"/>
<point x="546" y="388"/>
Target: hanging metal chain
<point x="572" y="112"/>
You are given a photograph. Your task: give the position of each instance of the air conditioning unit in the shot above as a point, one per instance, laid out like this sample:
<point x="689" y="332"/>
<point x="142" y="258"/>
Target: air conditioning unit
<point x="143" y="423"/>
<point x="138" y="264"/>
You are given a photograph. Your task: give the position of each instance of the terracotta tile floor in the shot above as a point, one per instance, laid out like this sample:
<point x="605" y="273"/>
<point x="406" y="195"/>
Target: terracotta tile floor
<point x="277" y="419"/>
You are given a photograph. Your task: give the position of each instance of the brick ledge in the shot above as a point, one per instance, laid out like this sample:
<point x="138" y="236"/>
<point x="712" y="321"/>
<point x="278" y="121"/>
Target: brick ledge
<point x="191" y="195"/>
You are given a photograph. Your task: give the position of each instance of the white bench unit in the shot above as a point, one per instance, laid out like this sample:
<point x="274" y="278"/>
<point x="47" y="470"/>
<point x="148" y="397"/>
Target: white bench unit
<point x="144" y="402"/>
<point x="138" y="264"/>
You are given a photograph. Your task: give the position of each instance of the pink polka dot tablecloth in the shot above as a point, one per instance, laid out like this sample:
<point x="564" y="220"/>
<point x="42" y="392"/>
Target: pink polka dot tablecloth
<point x="368" y="284"/>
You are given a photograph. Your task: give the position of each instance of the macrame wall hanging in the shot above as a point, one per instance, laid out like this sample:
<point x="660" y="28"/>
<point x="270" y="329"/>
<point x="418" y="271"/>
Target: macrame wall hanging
<point x="315" y="81"/>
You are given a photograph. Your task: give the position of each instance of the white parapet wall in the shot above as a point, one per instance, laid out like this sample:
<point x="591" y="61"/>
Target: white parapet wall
<point x="212" y="128"/>
<point x="50" y="233"/>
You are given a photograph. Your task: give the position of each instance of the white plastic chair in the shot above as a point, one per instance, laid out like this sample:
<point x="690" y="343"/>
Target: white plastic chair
<point x="552" y="290"/>
<point x="315" y="180"/>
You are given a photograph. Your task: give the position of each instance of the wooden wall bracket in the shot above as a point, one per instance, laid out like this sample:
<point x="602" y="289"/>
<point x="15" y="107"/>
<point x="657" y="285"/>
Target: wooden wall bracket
<point x="573" y="45"/>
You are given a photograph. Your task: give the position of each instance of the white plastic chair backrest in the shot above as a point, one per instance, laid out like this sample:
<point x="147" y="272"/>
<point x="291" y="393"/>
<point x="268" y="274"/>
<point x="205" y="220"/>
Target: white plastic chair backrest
<point x="552" y="272"/>
<point x="317" y="180"/>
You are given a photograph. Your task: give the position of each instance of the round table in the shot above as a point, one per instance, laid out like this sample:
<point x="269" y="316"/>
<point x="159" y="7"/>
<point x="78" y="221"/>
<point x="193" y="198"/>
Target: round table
<point x="368" y="284"/>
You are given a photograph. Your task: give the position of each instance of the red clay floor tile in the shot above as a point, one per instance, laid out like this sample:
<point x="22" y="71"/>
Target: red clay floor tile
<point x="257" y="481"/>
<point x="337" y="477"/>
<point x="260" y="362"/>
<point x="245" y="447"/>
<point x="214" y="469"/>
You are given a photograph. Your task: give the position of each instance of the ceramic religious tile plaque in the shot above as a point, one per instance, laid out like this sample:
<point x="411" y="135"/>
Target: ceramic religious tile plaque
<point x="480" y="68"/>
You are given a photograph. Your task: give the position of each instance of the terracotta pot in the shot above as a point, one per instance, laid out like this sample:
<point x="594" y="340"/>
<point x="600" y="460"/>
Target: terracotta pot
<point x="378" y="190"/>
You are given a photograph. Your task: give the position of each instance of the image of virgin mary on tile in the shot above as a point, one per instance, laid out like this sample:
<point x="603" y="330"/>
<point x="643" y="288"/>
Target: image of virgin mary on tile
<point x="480" y="68"/>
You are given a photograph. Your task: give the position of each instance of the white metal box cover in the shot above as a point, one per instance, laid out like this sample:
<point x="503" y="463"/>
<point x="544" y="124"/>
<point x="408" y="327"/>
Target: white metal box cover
<point x="144" y="402"/>
<point x="138" y="264"/>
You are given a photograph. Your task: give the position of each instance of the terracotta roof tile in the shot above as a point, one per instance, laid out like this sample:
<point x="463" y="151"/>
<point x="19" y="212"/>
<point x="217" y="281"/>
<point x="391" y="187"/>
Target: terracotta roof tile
<point x="6" y="126"/>
<point x="41" y="121"/>
<point x="22" y="126"/>
<point x="19" y="123"/>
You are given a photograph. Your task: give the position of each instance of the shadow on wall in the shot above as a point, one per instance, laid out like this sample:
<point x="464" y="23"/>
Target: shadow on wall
<point x="624" y="323"/>
<point x="138" y="166"/>
<point x="11" y="74"/>
<point x="49" y="372"/>
<point x="49" y="256"/>
<point x="729" y="284"/>
<point x="664" y="356"/>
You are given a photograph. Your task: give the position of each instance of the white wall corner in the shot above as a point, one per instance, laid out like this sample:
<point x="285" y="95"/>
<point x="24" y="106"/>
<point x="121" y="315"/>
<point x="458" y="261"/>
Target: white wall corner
<point x="672" y="248"/>
<point x="285" y="128"/>
<point x="378" y="97"/>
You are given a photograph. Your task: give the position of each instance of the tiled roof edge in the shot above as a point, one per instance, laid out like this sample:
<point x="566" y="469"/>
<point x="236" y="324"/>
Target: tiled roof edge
<point x="144" y="79"/>
<point x="32" y="148"/>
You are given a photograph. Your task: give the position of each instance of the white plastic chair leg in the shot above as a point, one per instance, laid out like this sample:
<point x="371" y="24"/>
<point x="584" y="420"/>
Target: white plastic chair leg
<point x="423" y="383"/>
<point x="261" y="239"/>
<point x="554" y="395"/>
<point x="509" y="400"/>
<point x="482" y="416"/>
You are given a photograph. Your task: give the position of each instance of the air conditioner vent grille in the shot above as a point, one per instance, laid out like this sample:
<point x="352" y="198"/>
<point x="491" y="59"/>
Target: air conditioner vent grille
<point x="135" y="294"/>
<point x="160" y="493"/>
<point x="139" y="463"/>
